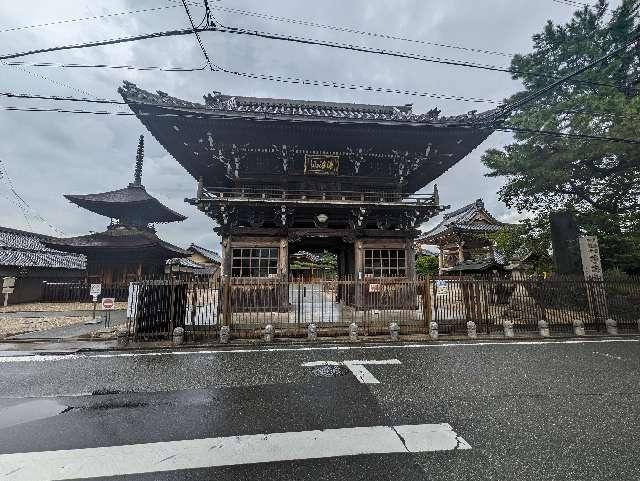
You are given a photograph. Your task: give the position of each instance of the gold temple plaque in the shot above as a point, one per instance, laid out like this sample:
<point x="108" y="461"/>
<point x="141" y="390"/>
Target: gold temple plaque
<point x="321" y="164"/>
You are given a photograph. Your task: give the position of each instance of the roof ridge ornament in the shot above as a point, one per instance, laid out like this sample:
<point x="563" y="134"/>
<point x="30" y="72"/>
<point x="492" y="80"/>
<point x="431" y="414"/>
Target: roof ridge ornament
<point x="137" y="175"/>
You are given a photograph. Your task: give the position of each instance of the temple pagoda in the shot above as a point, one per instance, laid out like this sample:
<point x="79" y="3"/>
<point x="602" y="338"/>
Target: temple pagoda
<point x="463" y="242"/>
<point x="129" y="249"/>
<point x="342" y="177"/>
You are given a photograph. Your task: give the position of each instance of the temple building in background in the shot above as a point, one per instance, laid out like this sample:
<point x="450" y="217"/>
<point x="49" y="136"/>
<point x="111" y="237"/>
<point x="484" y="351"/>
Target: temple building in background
<point x="280" y="176"/>
<point x="129" y="249"/>
<point x="463" y="242"/>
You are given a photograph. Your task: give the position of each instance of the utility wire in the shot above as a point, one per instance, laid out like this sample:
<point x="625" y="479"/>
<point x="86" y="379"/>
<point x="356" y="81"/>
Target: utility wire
<point x="61" y="98"/>
<point x="478" y="126"/>
<point x="256" y="33"/>
<point x="84" y="19"/>
<point x="355" y="31"/>
<point x="195" y="32"/>
<point x="103" y="65"/>
<point x="510" y="107"/>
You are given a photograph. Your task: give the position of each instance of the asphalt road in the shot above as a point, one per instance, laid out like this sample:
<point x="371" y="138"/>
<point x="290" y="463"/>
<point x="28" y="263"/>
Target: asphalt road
<point x="527" y="411"/>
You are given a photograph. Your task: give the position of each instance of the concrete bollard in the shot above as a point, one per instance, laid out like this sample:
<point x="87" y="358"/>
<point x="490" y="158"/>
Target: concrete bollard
<point x="225" y="334"/>
<point x="508" y="328"/>
<point x="178" y="336"/>
<point x="543" y="327"/>
<point x="578" y="327"/>
<point x="268" y="333"/>
<point x="433" y="330"/>
<point x="394" y="331"/>
<point x="471" y="330"/>
<point x="122" y="337"/>
<point x="312" y="332"/>
<point x="353" y="332"/>
<point x="612" y="327"/>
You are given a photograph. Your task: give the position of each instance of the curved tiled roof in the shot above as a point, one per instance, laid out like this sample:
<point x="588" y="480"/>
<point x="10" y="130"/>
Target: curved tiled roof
<point x="208" y="253"/>
<point x="465" y="219"/>
<point x="298" y="108"/>
<point x="27" y="249"/>
<point x="122" y="202"/>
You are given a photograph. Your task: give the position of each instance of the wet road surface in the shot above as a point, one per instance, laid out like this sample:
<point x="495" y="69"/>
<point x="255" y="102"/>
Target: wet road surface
<point x="517" y="411"/>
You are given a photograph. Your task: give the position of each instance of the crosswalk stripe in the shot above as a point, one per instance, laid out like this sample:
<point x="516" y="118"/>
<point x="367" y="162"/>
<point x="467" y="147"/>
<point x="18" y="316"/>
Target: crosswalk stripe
<point x="227" y="451"/>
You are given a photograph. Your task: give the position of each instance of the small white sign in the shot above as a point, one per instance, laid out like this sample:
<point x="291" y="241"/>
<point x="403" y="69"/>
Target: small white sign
<point x="108" y="303"/>
<point x="375" y="288"/>
<point x="8" y="282"/>
<point x="95" y="290"/>
<point x="7" y="290"/>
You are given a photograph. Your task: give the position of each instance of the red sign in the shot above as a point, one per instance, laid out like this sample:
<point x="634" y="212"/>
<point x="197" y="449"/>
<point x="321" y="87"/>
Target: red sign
<point x="108" y="303"/>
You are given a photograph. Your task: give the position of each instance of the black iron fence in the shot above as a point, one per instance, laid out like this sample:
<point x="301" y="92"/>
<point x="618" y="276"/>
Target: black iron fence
<point x="201" y="304"/>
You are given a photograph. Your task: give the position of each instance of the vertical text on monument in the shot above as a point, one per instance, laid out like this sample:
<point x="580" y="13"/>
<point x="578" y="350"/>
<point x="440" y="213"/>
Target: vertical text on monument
<point x="590" y="254"/>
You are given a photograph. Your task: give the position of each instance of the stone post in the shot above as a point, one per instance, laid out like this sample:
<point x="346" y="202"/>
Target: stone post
<point x="433" y="330"/>
<point x="353" y="332"/>
<point x="225" y="334"/>
<point x="178" y="336"/>
<point x="578" y="327"/>
<point x="312" y="332"/>
<point x="394" y="331"/>
<point x="612" y="327"/>
<point x="268" y="333"/>
<point x="508" y="328"/>
<point x="543" y="327"/>
<point x="471" y="330"/>
<point x="122" y="337"/>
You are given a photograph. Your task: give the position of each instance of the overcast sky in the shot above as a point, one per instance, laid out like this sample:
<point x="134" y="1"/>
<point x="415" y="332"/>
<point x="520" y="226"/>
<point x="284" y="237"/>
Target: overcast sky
<point x="49" y="154"/>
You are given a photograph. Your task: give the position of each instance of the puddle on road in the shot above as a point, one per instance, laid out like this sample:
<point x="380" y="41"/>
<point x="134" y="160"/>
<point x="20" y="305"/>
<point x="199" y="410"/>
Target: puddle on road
<point x="30" y="411"/>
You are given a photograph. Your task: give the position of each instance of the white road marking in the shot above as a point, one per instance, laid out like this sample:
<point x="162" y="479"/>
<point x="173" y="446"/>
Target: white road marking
<point x="227" y="451"/>
<point x="480" y="344"/>
<point x="357" y="368"/>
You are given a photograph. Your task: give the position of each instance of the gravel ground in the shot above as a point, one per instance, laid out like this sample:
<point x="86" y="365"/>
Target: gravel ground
<point x="11" y="326"/>
<point x="56" y="306"/>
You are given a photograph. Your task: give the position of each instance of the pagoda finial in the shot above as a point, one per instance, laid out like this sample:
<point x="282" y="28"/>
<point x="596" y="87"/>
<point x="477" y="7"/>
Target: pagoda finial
<point x="137" y="176"/>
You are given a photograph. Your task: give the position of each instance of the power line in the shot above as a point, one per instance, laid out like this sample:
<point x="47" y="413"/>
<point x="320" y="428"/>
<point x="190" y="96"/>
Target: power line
<point x="356" y="31"/>
<point x="61" y="98"/>
<point x="83" y="19"/>
<point x="479" y="126"/>
<point x="98" y="43"/>
<point x="390" y="53"/>
<point x="22" y="204"/>
<point x="195" y="32"/>
<point x="508" y="108"/>
<point x="102" y="65"/>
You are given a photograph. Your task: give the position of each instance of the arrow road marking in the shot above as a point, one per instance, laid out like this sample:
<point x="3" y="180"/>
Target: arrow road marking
<point x="227" y="451"/>
<point x="357" y="368"/>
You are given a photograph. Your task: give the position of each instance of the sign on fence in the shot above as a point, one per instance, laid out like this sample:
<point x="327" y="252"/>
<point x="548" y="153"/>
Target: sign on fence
<point x="8" y="284"/>
<point x="95" y="291"/>
<point x="375" y="288"/>
<point x="132" y="300"/>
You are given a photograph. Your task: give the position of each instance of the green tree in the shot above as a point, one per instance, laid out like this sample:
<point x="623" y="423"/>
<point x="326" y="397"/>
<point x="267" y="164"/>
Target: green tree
<point x="598" y="180"/>
<point x="427" y="265"/>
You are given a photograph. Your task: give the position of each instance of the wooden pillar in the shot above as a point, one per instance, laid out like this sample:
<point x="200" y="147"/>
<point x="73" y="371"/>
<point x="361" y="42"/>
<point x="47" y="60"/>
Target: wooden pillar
<point x="461" y="252"/>
<point x="410" y="256"/>
<point x="227" y="256"/>
<point x="441" y="260"/>
<point x="358" y="259"/>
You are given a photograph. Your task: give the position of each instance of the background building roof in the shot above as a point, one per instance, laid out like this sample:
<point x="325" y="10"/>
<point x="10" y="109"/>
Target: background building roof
<point x="27" y="249"/>
<point x="472" y="218"/>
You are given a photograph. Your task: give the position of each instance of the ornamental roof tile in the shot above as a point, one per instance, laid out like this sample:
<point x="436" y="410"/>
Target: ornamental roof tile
<point x="217" y="101"/>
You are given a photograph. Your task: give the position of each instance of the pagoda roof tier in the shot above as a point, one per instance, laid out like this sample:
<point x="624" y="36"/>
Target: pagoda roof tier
<point x="470" y="219"/>
<point x="121" y="203"/>
<point x="211" y="140"/>
<point x="119" y="239"/>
